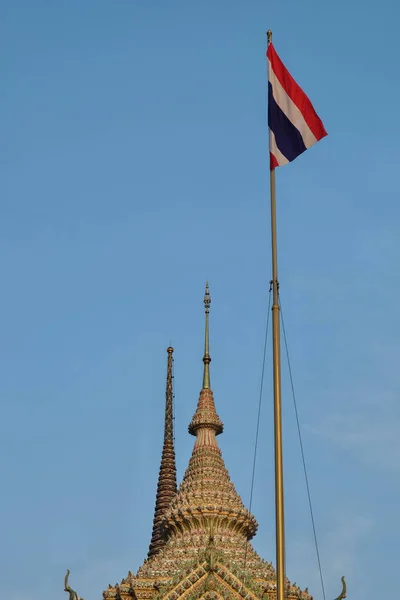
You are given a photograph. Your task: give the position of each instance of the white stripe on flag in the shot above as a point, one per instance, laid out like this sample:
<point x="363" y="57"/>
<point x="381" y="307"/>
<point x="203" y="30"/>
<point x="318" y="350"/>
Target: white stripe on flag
<point x="289" y="108"/>
<point x="273" y="148"/>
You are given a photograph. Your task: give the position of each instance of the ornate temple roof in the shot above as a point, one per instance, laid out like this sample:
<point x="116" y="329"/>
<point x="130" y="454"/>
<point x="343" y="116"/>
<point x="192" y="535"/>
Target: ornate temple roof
<point x="200" y="547"/>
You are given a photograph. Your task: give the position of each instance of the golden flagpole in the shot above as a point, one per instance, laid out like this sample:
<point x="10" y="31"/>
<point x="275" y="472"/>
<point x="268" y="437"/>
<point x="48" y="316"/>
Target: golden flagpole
<point x="279" y="501"/>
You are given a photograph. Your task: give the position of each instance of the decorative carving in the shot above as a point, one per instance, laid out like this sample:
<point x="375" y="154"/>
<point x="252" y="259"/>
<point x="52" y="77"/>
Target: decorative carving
<point x="72" y="594"/>
<point x="210" y="554"/>
<point x="344" y="590"/>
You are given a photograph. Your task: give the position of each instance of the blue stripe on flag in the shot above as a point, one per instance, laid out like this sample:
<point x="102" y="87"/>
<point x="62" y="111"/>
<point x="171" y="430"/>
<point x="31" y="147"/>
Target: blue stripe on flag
<point x="287" y="136"/>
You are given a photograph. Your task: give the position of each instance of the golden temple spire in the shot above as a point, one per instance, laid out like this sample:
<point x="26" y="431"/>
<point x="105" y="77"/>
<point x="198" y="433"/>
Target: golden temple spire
<point x="207" y="502"/>
<point x="205" y="416"/>
<point x="166" y="488"/>
<point x="206" y="357"/>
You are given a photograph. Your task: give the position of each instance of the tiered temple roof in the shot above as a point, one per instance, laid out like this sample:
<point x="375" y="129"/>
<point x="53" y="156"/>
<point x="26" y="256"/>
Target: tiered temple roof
<point x="200" y="546"/>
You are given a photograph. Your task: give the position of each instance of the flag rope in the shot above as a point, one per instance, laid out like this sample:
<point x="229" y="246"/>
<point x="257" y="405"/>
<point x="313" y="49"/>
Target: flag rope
<point x="302" y="454"/>
<point x="259" y="412"/>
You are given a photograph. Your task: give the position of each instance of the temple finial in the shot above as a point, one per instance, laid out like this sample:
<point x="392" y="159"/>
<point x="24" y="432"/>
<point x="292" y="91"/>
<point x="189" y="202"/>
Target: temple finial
<point x="206" y="357"/>
<point x="166" y="488"/>
<point x="169" y="395"/>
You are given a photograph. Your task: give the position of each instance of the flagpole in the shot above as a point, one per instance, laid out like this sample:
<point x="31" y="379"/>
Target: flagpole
<point x="279" y="501"/>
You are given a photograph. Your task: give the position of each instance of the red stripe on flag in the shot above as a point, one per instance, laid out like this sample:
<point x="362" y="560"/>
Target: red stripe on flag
<point x="273" y="163"/>
<point x="296" y="94"/>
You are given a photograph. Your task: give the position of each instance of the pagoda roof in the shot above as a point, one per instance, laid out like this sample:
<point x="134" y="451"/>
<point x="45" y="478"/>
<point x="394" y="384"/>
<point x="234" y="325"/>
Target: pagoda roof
<point x="201" y="546"/>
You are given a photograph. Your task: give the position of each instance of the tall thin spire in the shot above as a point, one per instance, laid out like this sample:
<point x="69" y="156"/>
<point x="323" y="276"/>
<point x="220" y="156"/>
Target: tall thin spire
<point x="206" y="357"/>
<point x="206" y="417"/>
<point x="166" y="488"/>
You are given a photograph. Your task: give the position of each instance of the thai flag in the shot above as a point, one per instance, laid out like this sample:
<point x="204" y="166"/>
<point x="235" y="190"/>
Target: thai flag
<point x="293" y="123"/>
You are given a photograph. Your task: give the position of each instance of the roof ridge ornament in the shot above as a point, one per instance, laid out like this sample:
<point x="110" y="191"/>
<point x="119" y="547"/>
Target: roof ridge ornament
<point x="72" y="594"/>
<point x="344" y="590"/>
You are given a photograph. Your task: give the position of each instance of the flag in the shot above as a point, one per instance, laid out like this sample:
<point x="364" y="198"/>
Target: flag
<point x="293" y="123"/>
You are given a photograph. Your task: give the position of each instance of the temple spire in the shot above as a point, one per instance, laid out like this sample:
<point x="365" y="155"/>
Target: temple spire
<point x="205" y="421"/>
<point x="206" y="357"/>
<point x="207" y="502"/>
<point x="166" y="488"/>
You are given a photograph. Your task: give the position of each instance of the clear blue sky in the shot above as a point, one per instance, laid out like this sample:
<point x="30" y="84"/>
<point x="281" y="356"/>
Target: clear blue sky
<point x="134" y="166"/>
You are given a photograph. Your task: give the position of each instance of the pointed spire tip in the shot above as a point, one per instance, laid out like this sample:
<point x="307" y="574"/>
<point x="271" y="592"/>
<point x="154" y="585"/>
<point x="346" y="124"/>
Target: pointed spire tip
<point x="206" y="358"/>
<point x="207" y="298"/>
